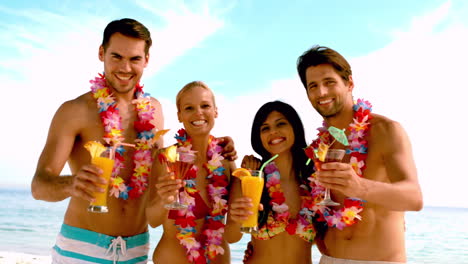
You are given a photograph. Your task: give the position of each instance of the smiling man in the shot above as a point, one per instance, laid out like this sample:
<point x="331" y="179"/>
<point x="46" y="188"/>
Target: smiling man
<point x="109" y="113"/>
<point x="114" y="112"/>
<point x="376" y="183"/>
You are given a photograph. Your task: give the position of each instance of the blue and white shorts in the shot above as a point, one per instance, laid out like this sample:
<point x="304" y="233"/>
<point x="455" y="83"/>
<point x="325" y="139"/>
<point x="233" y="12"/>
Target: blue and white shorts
<point x="76" y="245"/>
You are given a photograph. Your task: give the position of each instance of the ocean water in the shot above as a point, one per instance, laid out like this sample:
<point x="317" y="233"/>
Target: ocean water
<point x="434" y="235"/>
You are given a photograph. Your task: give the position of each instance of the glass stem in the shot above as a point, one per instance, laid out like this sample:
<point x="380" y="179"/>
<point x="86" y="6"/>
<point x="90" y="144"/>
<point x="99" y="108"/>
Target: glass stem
<point x="327" y="195"/>
<point x="177" y="199"/>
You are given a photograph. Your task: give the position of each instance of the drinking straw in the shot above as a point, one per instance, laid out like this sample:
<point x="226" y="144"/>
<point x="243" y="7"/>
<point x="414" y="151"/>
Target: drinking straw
<point x="112" y="154"/>
<point x="268" y="161"/>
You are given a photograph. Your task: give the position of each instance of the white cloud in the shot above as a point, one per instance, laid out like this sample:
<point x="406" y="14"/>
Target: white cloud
<point x="184" y="27"/>
<point x="419" y="80"/>
<point x="49" y="57"/>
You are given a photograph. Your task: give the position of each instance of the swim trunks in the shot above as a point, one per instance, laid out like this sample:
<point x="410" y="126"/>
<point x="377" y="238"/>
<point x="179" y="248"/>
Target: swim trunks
<point x="81" y="246"/>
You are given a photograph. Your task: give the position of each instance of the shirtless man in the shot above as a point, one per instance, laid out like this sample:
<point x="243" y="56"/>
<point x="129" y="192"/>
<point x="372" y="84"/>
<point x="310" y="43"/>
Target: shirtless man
<point x="389" y="184"/>
<point x="96" y="237"/>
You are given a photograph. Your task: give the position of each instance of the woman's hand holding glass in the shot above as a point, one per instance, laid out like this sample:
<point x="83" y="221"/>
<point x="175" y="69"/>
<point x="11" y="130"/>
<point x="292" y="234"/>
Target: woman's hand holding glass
<point x="241" y="209"/>
<point x="167" y="188"/>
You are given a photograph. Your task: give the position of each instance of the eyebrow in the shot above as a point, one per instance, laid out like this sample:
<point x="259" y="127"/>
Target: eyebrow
<point x="131" y="58"/>
<point x="279" y="119"/>
<point x="324" y="79"/>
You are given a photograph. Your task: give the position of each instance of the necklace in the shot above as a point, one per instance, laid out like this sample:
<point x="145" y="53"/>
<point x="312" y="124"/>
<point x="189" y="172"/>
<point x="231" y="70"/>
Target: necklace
<point x="209" y="245"/>
<point x="146" y="131"/>
<point x="279" y="219"/>
<point x="349" y="213"/>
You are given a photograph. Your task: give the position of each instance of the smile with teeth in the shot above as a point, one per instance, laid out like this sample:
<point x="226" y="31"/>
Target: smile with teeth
<point x="124" y="77"/>
<point x="199" y="122"/>
<point x="277" y="140"/>
<point x="327" y="101"/>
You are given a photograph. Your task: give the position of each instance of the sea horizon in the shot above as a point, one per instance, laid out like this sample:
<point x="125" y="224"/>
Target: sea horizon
<point x="25" y="187"/>
<point x="433" y="235"/>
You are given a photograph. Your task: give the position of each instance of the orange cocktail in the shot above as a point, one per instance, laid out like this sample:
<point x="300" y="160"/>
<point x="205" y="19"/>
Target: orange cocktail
<point x="100" y="203"/>
<point x="252" y="187"/>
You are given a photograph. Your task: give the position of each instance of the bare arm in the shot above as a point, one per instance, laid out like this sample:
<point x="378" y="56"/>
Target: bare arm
<point x="47" y="184"/>
<point x="229" y="151"/>
<point x="163" y="189"/>
<point x="158" y="119"/>
<point x="236" y="206"/>
<point x="402" y="193"/>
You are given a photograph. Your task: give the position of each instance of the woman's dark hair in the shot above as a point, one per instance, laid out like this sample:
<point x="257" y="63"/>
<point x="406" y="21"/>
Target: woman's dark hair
<point x="299" y="158"/>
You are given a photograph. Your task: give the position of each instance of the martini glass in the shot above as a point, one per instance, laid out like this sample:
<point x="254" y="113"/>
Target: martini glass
<point x="179" y="168"/>
<point x="333" y="155"/>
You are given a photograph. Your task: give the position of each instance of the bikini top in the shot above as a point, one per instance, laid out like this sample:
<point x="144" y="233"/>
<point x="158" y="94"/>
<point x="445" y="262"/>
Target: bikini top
<point x="279" y="219"/>
<point x="200" y="211"/>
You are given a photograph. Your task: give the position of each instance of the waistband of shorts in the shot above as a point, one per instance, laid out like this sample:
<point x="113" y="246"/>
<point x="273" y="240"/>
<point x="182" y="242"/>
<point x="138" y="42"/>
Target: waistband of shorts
<point x="101" y="240"/>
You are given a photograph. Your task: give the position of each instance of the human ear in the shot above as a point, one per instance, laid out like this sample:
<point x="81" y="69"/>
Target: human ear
<point x="350" y="83"/>
<point x="147" y="59"/>
<point x="178" y="116"/>
<point x="101" y="53"/>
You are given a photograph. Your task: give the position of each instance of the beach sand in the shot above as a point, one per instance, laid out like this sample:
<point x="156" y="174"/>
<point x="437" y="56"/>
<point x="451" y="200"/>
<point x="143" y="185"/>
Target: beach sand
<point x="22" y="258"/>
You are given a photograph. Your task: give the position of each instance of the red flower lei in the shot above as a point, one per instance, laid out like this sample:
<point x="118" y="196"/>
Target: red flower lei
<point x="209" y="245"/>
<point x="279" y="219"/>
<point x="349" y="213"/>
<point x="146" y="135"/>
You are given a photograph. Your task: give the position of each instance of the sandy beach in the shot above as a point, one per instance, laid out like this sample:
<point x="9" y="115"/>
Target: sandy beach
<point x="22" y="258"/>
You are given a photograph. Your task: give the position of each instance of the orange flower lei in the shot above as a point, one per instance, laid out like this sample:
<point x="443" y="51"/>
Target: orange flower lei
<point x="209" y="245"/>
<point x="146" y="131"/>
<point x="349" y="213"/>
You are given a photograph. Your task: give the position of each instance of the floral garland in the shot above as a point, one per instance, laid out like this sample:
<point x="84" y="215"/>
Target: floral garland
<point x="146" y="131"/>
<point x="349" y="213"/>
<point x="209" y="245"/>
<point x="279" y="220"/>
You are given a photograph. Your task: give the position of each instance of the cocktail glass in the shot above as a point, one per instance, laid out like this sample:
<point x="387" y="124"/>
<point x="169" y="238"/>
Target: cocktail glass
<point x="103" y="161"/>
<point x="179" y="168"/>
<point x="333" y="155"/>
<point x="252" y="187"/>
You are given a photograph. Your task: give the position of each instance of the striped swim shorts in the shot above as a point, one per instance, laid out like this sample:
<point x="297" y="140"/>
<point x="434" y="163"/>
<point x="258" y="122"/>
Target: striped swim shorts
<point x="76" y="245"/>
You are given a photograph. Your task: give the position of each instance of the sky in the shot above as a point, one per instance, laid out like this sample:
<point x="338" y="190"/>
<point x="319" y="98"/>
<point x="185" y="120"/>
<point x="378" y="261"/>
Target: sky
<point x="408" y="58"/>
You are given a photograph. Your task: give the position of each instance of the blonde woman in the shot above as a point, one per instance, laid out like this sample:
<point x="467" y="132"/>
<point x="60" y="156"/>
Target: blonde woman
<point x="195" y="234"/>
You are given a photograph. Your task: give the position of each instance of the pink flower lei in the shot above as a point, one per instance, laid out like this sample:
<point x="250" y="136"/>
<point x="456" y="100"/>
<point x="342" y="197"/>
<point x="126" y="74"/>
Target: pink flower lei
<point x="146" y="131"/>
<point x="349" y="213"/>
<point x="209" y="245"/>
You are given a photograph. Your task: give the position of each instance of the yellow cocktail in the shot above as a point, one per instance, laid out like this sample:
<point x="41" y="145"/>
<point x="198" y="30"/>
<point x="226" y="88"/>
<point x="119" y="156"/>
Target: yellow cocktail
<point x="252" y="187"/>
<point x="100" y="158"/>
<point x="100" y="203"/>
